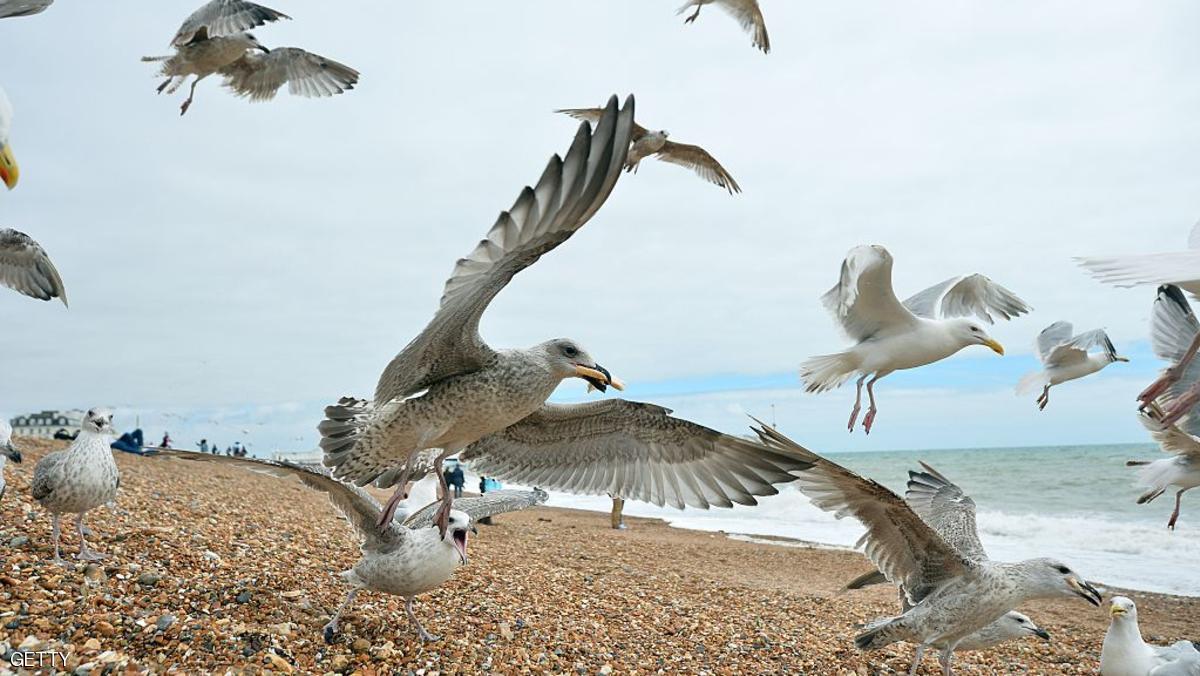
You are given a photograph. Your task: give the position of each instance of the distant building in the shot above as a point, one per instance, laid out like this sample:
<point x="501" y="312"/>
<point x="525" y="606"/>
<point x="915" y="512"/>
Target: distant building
<point x="47" y="423"/>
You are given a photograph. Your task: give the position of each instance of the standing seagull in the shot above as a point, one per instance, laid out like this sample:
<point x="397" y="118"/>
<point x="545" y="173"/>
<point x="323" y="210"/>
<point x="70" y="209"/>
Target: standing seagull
<point x="1181" y="470"/>
<point x="26" y="269"/>
<point x="654" y="143"/>
<point x="1066" y="358"/>
<point x="746" y="12"/>
<point x="1124" y="653"/>
<point x="213" y="41"/>
<point x="11" y="8"/>
<point x="80" y="478"/>
<point x="891" y="335"/>
<point x="447" y="388"/>
<point x="953" y="588"/>
<point x="7" y="450"/>
<point x="402" y="559"/>
<point x="1175" y="337"/>
<point x="10" y="173"/>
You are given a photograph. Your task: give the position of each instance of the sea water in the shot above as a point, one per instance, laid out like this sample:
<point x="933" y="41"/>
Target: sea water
<point x="1074" y="503"/>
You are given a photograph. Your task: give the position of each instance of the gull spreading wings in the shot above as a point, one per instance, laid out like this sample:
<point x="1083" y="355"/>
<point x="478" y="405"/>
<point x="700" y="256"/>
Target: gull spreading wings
<point x="26" y="269"/>
<point x="891" y="335"/>
<point x="634" y="451"/>
<point x="1066" y="356"/>
<point x="1181" y="268"/>
<point x="259" y="76"/>
<point x="645" y="143"/>
<point x="222" y="18"/>
<point x="1175" y="338"/>
<point x="746" y="12"/>
<point x="12" y="8"/>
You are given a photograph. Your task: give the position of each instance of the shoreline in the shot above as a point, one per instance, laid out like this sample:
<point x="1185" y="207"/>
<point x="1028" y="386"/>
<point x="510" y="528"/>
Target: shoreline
<point x="227" y="570"/>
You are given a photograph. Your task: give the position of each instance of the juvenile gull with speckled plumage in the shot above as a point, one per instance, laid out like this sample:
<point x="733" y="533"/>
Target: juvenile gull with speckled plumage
<point x="402" y="559"/>
<point x="79" y="478"/>
<point x="27" y="269"/>
<point x="953" y="587"/>
<point x="7" y="450"/>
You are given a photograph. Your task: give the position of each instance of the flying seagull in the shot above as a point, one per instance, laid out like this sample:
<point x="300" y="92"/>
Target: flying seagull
<point x="12" y="8"/>
<point x="403" y="559"/>
<point x="447" y="388"/>
<point x="1124" y="653"/>
<point x="632" y="451"/>
<point x="26" y="269"/>
<point x="891" y="335"/>
<point x="1065" y="357"/>
<point x="654" y="143"/>
<point x="213" y="40"/>
<point x="10" y="173"/>
<point x="1181" y="470"/>
<point x="1181" y="268"/>
<point x="1175" y="337"/>
<point x="746" y="12"/>
<point x="953" y="588"/>
<point x="79" y="479"/>
<point x="7" y="450"/>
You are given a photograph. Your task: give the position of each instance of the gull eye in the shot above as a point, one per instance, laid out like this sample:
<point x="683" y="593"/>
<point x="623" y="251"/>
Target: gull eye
<point x="1062" y="569"/>
<point x="570" y="351"/>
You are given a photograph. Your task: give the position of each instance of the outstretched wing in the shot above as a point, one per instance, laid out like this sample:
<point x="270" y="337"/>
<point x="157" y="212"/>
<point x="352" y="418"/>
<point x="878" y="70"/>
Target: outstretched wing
<point x="634" y="451"/>
<point x="945" y="507"/>
<point x="749" y="15"/>
<point x="259" y="76"/>
<point x="700" y="161"/>
<point x="488" y="504"/>
<point x="593" y="115"/>
<point x="1076" y="349"/>
<point x="359" y="508"/>
<point x="1052" y="336"/>
<point x="1180" y="267"/>
<point x="26" y="269"/>
<point x="567" y="195"/>
<point x="12" y="8"/>
<point x="1173" y="329"/>
<point x="908" y="551"/>
<point x="863" y="301"/>
<point x="964" y="296"/>
<point x="223" y="17"/>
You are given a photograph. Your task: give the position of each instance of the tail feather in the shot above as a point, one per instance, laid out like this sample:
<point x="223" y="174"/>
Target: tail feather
<point x="1031" y="382"/>
<point x="828" y="371"/>
<point x="150" y="59"/>
<point x="344" y="422"/>
<point x="866" y="580"/>
<point x="1155" y="475"/>
<point x="880" y="633"/>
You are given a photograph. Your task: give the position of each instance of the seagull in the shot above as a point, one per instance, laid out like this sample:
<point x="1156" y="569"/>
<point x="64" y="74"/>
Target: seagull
<point x="746" y="12"/>
<point x="405" y="559"/>
<point x="1125" y="653"/>
<point x="447" y="388"/>
<point x="1181" y="268"/>
<point x="891" y="335"/>
<point x="12" y="8"/>
<point x="10" y="173"/>
<point x="1181" y="470"/>
<point x="953" y="588"/>
<point x="80" y="478"/>
<point x="7" y="450"/>
<point x="633" y="451"/>
<point x="26" y="269"/>
<point x="1066" y="358"/>
<point x="654" y="143"/>
<point x="213" y="41"/>
<point x="1175" y="337"/>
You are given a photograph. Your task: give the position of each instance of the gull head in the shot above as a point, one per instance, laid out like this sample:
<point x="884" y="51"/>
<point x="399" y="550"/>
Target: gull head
<point x="99" y="421"/>
<point x="569" y="360"/>
<point x="971" y="333"/>
<point x="1019" y="624"/>
<point x="252" y="42"/>
<point x="1123" y="609"/>
<point x="457" y="533"/>
<point x="1054" y="578"/>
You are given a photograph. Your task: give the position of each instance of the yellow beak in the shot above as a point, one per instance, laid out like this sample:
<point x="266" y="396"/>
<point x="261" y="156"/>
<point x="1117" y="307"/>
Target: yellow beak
<point x="586" y="372"/>
<point x="9" y="171"/>
<point x="1116" y="610"/>
<point x="996" y="347"/>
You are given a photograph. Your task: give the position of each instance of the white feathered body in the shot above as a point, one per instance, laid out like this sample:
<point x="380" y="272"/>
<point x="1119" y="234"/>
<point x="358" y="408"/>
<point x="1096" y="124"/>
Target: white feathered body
<point x="1124" y="653"/>
<point x="1180" y="471"/>
<point x="205" y="57"/>
<point x="1056" y="375"/>
<point x="1000" y="631"/>
<point x="6" y="115"/>
<point x="78" y="479"/>
<point x="422" y="563"/>
<point x="922" y="343"/>
<point x="650" y="143"/>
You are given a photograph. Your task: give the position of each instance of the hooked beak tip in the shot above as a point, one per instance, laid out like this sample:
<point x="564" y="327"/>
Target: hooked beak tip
<point x="995" y="346"/>
<point x="1042" y="634"/>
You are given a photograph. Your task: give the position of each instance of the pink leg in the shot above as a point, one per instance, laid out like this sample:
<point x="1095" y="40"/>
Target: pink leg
<point x="869" y="420"/>
<point x="442" y="519"/>
<point x="857" y="404"/>
<point x="1172" y="375"/>
<point x="191" y="95"/>
<point x="1175" y="514"/>
<point x="389" y="510"/>
<point x="1181" y="406"/>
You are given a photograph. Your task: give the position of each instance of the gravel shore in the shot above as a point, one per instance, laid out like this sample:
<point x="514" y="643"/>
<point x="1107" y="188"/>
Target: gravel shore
<point x="216" y="569"/>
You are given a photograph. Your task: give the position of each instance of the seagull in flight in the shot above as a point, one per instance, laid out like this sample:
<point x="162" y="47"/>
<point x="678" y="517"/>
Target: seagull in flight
<point x="746" y="12"/>
<point x="1066" y="356"/>
<point x="26" y="268"/>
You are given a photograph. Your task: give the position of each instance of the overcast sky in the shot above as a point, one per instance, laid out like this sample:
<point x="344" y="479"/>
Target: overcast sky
<point x="233" y="270"/>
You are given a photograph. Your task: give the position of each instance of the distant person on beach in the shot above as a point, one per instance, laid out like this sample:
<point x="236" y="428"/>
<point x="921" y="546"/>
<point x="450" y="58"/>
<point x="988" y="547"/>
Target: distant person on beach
<point x="166" y="442"/>
<point x="130" y="442"/>
<point x="204" y="445"/>
<point x="618" y="518"/>
<point x="229" y="450"/>
<point x="456" y="478"/>
<point x="484" y="485"/>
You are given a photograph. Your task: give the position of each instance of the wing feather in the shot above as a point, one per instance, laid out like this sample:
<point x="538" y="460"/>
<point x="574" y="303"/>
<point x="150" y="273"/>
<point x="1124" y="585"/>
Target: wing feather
<point x="26" y="268"/>
<point x="964" y="296"/>
<point x="947" y="509"/>
<point x="259" y="76"/>
<point x="749" y="15"/>
<point x="488" y="504"/>
<point x="14" y="8"/>
<point x="700" y="161"/>
<point x="223" y="17"/>
<point x="593" y="115"/>
<point x="863" y="301"/>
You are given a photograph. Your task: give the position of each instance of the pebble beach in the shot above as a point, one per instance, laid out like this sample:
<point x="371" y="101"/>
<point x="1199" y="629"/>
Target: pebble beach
<point x="219" y="570"/>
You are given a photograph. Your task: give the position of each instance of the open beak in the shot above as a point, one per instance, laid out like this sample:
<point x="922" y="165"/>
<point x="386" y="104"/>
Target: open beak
<point x="598" y="377"/>
<point x="9" y="171"/>
<point x="1116" y="611"/>
<point x="1085" y="590"/>
<point x="460" y="544"/>
<point x="1042" y="634"/>
<point x="996" y="347"/>
<point x="12" y="453"/>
